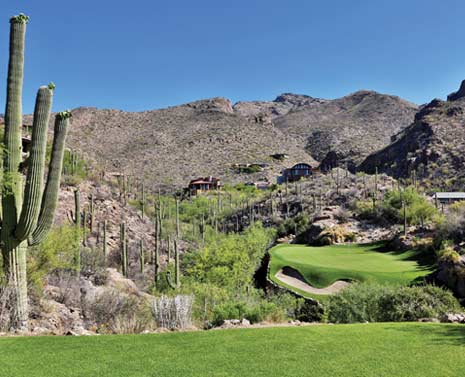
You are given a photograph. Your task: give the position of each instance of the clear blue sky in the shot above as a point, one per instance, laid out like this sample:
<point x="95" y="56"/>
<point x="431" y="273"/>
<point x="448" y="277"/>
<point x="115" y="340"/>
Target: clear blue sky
<point x="146" y="54"/>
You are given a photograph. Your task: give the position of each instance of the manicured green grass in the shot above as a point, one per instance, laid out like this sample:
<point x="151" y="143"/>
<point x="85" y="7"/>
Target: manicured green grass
<point x="322" y="266"/>
<point x="408" y="349"/>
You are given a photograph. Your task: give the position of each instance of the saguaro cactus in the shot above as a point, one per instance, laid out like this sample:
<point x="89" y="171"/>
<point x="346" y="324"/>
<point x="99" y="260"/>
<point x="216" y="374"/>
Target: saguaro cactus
<point x="123" y="249"/>
<point x="27" y="215"/>
<point x="141" y="257"/>
<point x="104" y="244"/>
<point x="177" y="280"/>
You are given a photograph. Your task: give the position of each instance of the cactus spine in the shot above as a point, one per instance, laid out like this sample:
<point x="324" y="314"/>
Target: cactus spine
<point x="27" y="216"/>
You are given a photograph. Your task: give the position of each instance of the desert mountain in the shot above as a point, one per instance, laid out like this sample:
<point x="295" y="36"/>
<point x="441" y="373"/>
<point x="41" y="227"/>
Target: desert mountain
<point x="433" y="145"/>
<point x="169" y="147"/>
<point x="346" y="130"/>
<point x="174" y="145"/>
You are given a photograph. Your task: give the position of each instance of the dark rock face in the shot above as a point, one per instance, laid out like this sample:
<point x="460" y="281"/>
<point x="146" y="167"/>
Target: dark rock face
<point x="342" y="132"/>
<point x="458" y="94"/>
<point x="335" y="159"/>
<point x="433" y="146"/>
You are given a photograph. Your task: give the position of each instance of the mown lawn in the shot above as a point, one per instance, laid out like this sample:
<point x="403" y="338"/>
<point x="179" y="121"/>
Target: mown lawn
<point x="322" y="266"/>
<point x="408" y="349"/>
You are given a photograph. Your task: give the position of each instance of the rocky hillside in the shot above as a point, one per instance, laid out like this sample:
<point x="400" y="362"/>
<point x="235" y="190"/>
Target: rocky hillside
<point x="169" y="147"/>
<point x="346" y="130"/>
<point x="433" y="146"/>
<point x="174" y="145"/>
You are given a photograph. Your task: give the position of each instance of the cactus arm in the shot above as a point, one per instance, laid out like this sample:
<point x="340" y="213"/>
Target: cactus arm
<point x="35" y="174"/>
<point x="50" y="196"/>
<point x="11" y="198"/>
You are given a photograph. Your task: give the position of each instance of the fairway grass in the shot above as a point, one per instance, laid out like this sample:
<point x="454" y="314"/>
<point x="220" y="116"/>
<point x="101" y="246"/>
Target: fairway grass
<point x="362" y="350"/>
<point x="324" y="265"/>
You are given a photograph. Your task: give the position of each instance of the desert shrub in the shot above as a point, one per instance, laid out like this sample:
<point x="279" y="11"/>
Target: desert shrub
<point x="254" y="312"/>
<point x="418" y="209"/>
<point x="365" y="210"/>
<point x="365" y="302"/>
<point x="309" y="311"/>
<point x="447" y="254"/>
<point x="114" y="312"/>
<point x="336" y="234"/>
<point x="229" y="261"/>
<point x="93" y="263"/>
<point x="297" y="224"/>
<point x="452" y="226"/>
<point x="67" y="287"/>
<point x="57" y="252"/>
<point x="341" y="215"/>
<point x="249" y="169"/>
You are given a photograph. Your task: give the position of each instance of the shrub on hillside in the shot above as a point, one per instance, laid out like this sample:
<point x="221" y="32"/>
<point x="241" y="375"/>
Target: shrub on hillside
<point x="114" y="312"/>
<point x="336" y="234"/>
<point x="384" y="303"/>
<point x="452" y="226"/>
<point x="56" y="253"/>
<point x="419" y="210"/>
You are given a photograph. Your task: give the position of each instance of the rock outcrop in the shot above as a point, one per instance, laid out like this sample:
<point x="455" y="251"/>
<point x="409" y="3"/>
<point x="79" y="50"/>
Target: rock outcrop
<point x="432" y="146"/>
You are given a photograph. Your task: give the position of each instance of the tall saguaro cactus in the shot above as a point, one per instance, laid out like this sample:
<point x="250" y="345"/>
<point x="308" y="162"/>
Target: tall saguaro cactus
<point x="27" y="215"/>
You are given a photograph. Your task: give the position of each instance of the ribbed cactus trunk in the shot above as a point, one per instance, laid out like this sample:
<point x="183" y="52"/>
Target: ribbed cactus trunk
<point x="77" y="224"/>
<point x="104" y="245"/>
<point x="27" y="221"/>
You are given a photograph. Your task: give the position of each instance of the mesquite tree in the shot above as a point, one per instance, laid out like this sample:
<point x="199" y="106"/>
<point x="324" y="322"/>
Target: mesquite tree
<point x="28" y="207"/>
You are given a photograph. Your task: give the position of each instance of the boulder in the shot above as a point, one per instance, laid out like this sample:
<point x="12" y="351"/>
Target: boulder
<point x="453" y="318"/>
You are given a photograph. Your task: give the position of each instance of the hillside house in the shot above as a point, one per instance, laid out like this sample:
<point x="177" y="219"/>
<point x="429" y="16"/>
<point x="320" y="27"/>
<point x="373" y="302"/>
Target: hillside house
<point x="297" y="172"/>
<point x="200" y="185"/>
<point x="448" y="197"/>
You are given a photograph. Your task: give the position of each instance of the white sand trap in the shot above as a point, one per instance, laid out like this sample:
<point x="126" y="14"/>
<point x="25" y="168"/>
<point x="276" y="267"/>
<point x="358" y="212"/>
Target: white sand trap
<point x="294" y="279"/>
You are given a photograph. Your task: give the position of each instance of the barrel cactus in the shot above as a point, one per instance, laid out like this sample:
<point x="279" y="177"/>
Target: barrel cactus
<point x="28" y="205"/>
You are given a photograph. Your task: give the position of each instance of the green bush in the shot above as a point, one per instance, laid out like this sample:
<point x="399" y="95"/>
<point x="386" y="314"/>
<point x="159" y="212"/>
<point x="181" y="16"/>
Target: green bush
<point x="57" y="252"/>
<point x="418" y="209"/>
<point x="386" y="303"/>
<point x="229" y="261"/>
<point x="250" y="169"/>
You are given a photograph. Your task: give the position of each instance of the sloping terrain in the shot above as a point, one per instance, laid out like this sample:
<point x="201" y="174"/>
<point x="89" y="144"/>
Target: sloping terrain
<point x="433" y="146"/>
<point x="172" y="146"/>
<point x="346" y="130"/>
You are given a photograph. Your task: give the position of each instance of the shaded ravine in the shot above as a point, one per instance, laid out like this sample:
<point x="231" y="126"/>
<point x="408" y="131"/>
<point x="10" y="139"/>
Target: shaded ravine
<point x="294" y="279"/>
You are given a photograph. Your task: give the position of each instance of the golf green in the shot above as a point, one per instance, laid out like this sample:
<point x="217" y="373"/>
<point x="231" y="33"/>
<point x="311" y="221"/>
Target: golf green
<point x="325" y="265"/>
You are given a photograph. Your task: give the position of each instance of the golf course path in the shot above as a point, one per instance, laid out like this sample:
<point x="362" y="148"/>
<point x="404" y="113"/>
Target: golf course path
<point x="298" y="282"/>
